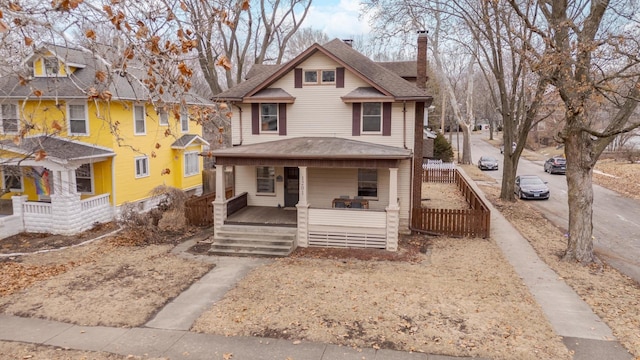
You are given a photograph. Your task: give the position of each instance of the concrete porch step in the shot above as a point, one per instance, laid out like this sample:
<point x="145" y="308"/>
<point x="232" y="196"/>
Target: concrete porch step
<point x="248" y="240"/>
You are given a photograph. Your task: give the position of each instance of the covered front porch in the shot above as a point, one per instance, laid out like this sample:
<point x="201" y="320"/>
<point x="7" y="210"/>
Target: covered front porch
<point x="321" y="179"/>
<point x="48" y="194"/>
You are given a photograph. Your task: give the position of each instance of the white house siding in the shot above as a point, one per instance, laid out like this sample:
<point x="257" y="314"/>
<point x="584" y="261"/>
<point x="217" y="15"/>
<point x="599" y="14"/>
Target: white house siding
<point x="246" y="181"/>
<point x="326" y="184"/>
<point x="319" y="111"/>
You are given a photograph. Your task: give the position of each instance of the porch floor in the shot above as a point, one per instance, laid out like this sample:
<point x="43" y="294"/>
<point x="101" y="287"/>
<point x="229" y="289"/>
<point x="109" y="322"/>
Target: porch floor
<point x="264" y="215"/>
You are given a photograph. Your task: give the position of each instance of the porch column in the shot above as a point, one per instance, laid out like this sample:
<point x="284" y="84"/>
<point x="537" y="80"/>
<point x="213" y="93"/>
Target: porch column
<point x="303" y="208"/>
<point x="393" y="211"/>
<point x="66" y="213"/>
<point x="219" y="205"/>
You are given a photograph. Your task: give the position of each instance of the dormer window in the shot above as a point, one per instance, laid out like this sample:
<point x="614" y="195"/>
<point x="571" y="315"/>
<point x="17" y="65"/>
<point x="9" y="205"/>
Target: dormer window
<point x="51" y="66"/>
<point x="319" y="77"/>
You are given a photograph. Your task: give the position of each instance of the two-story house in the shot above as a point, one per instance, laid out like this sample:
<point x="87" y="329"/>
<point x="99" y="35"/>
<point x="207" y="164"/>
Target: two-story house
<point x="329" y="138"/>
<point x="78" y="141"/>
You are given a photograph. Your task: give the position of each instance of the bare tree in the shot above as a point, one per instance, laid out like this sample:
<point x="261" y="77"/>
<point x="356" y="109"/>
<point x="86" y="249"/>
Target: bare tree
<point x="590" y="55"/>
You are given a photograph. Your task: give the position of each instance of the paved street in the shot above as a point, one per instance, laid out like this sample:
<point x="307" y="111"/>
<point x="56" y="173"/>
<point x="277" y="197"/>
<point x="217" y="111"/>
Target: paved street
<point x="615" y="218"/>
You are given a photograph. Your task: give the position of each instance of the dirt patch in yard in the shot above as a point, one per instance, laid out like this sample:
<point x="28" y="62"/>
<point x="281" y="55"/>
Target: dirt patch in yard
<point x="442" y="196"/>
<point x="12" y="350"/>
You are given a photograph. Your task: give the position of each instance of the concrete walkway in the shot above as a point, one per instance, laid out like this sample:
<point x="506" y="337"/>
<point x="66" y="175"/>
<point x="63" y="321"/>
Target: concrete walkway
<point x="167" y="335"/>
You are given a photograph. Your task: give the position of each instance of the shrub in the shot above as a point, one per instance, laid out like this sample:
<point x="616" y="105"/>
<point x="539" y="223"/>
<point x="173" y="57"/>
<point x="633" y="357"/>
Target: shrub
<point x="442" y="149"/>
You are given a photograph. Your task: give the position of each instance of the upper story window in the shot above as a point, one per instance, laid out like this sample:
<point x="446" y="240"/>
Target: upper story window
<point x="84" y="179"/>
<point x="139" y="120"/>
<point x="164" y="116"/>
<point x="372" y="118"/>
<point x="319" y="76"/>
<point x="184" y="121"/>
<point x="268" y="117"/>
<point x="12" y="178"/>
<point x="78" y="119"/>
<point x="10" y="122"/>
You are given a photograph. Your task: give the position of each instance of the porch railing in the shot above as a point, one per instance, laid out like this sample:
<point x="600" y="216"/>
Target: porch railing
<point x="37" y="208"/>
<point x="93" y="202"/>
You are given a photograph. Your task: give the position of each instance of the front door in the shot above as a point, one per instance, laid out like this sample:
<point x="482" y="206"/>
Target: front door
<point x="291" y="186"/>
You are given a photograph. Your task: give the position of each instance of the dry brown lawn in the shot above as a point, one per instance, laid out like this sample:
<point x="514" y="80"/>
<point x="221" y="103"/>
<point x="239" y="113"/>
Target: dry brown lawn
<point x="12" y="350"/>
<point x="436" y="295"/>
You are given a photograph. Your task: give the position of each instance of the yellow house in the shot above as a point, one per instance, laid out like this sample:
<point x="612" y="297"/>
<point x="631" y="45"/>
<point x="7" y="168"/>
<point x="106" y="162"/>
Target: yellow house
<point x="76" y="144"/>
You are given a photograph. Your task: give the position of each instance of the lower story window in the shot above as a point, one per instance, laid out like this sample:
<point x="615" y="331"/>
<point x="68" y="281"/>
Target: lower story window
<point x="84" y="182"/>
<point x="142" y="166"/>
<point x="12" y="178"/>
<point x="265" y="176"/>
<point x="191" y="164"/>
<point x="368" y="182"/>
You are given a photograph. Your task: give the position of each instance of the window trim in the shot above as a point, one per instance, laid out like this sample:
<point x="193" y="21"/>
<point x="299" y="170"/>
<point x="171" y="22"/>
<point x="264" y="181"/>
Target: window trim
<point x="319" y="77"/>
<point x="135" y="121"/>
<point x="20" y="179"/>
<point x="91" y="180"/>
<point x="43" y="67"/>
<point x="277" y="121"/>
<point x="271" y="178"/>
<point x="144" y="159"/>
<point x="362" y="119"/>
<point x="163" y="117"/>
<point x="86" y="118"/>
<point x="197" y="164"/>
<point x="377" y="183"/>
<point x="184" y="119"/>
<point x="17" y="115"/>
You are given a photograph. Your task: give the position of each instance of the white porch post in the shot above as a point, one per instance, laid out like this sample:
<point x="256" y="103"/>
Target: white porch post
<point x="219" y="205"/>
<point x="66" y="210"/>
<point x="303" y="208"/>
<point x="393" y="211"/>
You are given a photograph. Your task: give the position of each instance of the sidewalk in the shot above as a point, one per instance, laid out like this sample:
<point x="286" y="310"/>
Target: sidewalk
<point x="167" y="335"/>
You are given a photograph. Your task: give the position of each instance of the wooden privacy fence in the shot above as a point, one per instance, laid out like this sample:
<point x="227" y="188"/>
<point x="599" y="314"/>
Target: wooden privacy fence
<point x="474" y="222"/>
<point x="199" y="210"/>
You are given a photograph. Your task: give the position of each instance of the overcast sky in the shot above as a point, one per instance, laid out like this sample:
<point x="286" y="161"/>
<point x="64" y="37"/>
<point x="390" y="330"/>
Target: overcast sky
<point x="337" y="18"/>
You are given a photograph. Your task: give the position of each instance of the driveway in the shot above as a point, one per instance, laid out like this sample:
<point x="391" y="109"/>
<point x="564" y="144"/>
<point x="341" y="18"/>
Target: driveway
<point x="616" y="219"/>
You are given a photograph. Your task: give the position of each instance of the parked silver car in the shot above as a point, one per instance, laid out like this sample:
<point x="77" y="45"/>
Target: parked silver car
<point x="488" y="163"/>
<point x="531" y="187"/>
<point x="556" y="165"/>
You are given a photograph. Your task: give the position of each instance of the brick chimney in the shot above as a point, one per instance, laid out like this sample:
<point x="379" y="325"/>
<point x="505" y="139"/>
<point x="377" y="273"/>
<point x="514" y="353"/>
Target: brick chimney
<point x="421" y="80"/>
<point x="418" y="135"/>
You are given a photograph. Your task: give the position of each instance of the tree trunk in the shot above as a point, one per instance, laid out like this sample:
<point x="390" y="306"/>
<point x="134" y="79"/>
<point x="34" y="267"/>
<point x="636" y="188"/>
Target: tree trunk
<point x="580" y="194"/>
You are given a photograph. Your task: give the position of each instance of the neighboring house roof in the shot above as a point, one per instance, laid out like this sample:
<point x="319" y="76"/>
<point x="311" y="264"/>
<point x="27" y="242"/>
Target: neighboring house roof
<point x="187" y="140"/>
<point x="122" y="85"/>
<point x="315" y="148"/>
<point x="379" y="77"/>
<point x="57" y="149"/>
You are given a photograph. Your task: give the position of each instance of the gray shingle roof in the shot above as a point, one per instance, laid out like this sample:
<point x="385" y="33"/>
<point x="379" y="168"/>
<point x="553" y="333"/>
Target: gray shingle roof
<point x="377" y="75"/>
<point x="123" y="86"/>
<point x="315" y="148"/>
<point x="57" y="148"/>
<point x="186" y="140"/>
<point x="405" y="69"/>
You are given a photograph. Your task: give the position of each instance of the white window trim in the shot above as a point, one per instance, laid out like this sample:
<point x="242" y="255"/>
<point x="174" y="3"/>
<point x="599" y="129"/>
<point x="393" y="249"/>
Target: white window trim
<point x="144" y="120"/>
<point x="91" y="178"/>
<point x="43" y="67"/>
<point x="277" y="119"/>
<point x="319" y="73"/>
<point x="197" y="171"/>
<point x="17" y="119"/>
<point x="184" y="114"/>
<point x="162" y="113"/>
<point x="86" y="119"/>
<point x="4" y="185"/>
<point x="368" y="132"/>
<point x="135" y="168"/>
<point x="258" y="193"/>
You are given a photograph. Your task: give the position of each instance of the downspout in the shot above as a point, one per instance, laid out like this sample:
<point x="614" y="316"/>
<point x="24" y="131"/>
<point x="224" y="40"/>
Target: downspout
<point x="404" y="124"/>
<point x="240" y="120"/>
